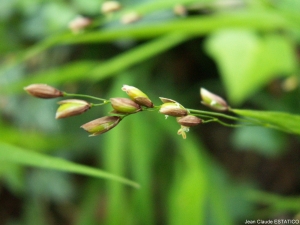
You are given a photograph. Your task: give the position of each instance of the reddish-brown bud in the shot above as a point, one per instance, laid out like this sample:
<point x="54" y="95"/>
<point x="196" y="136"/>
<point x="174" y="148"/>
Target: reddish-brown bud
<point x="189" y="121"/>
<point x="43" y="91"/>
<point x="173" y="109"/>
<point x="213" y="101"/>
<point x="71" y="107"/>
<point x="101" y="125"/>
<point x="124" y="105"/>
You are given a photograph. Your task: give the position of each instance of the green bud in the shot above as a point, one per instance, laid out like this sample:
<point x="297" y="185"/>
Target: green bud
<point x="173" y="109"/>
<point x="189" y="121"/>
<point x="43" y="91"/>
<point x="71" y="107"/>
<point x="213" y="101"/>
<point x="124" y="105"/>
<point x="137" y="96"/>
<point x="101" y="125"/>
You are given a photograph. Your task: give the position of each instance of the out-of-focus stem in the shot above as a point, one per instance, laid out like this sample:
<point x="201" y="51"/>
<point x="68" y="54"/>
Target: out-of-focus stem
<point x="85" y="96"/>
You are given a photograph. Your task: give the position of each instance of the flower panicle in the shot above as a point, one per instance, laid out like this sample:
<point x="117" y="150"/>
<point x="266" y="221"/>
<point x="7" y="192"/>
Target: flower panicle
<point x="122" y="107"/>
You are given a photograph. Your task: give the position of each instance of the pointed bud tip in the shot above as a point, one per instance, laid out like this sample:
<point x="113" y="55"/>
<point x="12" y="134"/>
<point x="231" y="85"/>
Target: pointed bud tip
<point x="167" y="100"/>
<point x="125" y="87"/>
<point x="213" y="101"/>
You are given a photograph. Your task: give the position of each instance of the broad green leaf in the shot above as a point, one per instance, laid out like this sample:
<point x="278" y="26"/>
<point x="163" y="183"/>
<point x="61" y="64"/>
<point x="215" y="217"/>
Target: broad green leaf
<point x="247" y="61"/>
<point x="278" y="120"/>
<point x="18" y="155"/>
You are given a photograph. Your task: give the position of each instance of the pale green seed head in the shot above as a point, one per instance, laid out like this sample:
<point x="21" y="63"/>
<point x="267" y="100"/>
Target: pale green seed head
<point x="173" y="109"/>
<point x="124" y="105"/>
<point x="213" y="101"/>
<point x="101" y="125"/>
<point x="71" y="107"/>
<point x="137" y="96"/>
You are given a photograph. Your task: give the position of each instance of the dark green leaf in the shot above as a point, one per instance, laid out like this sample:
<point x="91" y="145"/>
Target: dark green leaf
<point x="278" y="120"/>
<point x="248" y="61"/>
<point x="18" y="155"/>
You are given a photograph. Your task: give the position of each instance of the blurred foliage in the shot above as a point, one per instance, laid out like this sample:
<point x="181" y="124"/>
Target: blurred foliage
<point x="245" y="50"/>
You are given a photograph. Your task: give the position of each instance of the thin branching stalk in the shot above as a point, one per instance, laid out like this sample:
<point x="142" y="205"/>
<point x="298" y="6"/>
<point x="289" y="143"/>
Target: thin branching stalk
<point x="85" y="96"/>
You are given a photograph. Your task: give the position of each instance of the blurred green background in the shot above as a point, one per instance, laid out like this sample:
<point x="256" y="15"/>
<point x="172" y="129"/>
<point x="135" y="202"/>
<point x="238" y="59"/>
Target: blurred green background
<point x="246" y="51"/>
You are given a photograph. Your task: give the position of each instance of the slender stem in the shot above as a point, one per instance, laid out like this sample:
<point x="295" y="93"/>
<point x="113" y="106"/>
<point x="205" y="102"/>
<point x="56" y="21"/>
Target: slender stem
<point x="249" y="122"/>
<point x="100" y="104"/>
<point x="208" y="121"/>
<point x="194" y="111"/>
<point x="224" y="124"/>
<point x="204" y="116"/>
<point x="211" y="117"/>
<point x="155" y="108"/>
<point x="85" y="96"/>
